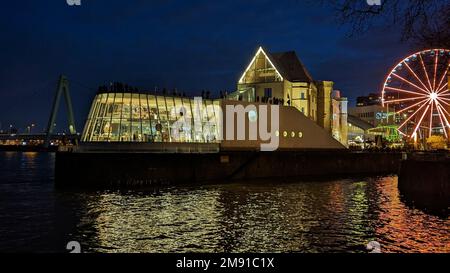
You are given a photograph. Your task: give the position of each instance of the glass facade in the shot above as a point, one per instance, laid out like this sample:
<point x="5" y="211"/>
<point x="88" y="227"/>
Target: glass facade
<point x="134" y="117"/>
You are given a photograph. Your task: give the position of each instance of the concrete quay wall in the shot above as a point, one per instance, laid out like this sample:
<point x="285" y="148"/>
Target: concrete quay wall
<point x="106" y="170"/>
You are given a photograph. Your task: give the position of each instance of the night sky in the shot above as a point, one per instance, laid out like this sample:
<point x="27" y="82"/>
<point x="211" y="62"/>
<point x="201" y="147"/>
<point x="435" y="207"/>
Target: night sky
<point x="188" y="45"/>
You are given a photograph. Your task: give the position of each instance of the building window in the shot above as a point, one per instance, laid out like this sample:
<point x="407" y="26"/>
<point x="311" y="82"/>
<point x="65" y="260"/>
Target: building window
<point x="134" y="117"/>
<point x="268" y="92"/>
<point x="302" y="95"/>
<point x="303" y="110"/>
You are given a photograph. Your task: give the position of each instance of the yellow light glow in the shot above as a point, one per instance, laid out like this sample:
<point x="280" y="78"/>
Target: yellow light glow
<point x="253" y="60"/>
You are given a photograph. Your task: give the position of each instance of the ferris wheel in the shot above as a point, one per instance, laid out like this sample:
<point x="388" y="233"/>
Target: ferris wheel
<point x="417" y="91"/>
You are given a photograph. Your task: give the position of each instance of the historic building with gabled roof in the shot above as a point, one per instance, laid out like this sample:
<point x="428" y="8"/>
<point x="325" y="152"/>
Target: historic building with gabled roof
<point x="281" y="78"/>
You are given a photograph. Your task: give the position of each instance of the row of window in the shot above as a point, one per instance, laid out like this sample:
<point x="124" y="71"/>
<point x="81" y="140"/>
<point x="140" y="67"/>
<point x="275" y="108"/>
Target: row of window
<point x="292" y="134"/>
<point x="268" y="94"/>
<point x="149" y="118"/>
<point x="366" y="115"/>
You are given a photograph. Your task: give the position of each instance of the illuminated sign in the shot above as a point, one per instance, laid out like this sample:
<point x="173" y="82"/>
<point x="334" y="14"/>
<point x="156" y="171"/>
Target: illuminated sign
<point x="381" y="115"/>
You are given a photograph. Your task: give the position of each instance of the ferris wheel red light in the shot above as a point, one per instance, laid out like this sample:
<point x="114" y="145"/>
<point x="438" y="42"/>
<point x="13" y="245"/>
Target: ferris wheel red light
<point x="417" y="89"/>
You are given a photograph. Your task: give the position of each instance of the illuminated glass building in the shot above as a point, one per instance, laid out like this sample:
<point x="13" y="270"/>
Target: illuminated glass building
<point x="138" y="117"/>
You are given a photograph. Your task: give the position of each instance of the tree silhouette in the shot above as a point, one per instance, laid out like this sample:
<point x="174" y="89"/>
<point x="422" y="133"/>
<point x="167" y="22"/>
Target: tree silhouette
<point x="426" y="23"/>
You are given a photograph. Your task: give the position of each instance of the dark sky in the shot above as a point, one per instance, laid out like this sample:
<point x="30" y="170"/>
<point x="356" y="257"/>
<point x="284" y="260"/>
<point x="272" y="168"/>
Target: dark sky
<point x="190" y="45"/>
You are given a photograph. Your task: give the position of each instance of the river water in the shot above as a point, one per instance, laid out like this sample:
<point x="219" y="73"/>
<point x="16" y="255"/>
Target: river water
<point x="332" y="216"/>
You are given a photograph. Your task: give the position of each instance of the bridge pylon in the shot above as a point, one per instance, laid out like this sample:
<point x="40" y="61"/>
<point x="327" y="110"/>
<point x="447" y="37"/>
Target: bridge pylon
<point x="62" y="89"/>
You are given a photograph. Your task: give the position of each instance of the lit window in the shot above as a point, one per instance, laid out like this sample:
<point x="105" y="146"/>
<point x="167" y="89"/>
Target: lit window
<point x="300" y="134"/>
<point x="285" y="133"/>
<point x="134" y="117"/>
<point x="277" y="133"/>
<point x="292" y="134"/>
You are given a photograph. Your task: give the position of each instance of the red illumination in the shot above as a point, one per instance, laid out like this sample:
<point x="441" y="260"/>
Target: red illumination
<point x="442" y="78"/>
<point x="417" y="77"/>
<point x="431" y="119"/>
<point x="425" y="70"/>
<point x="420" y="121"/>
<point x="442" y="89"/>
<point x="435" y="70"/>
<point x="404" y="100"/>
<point x="409" y="107"/>
<point x="405" y="80"/>
<point x="410" y="117"/>
<point x="417" y="85"/>
<point x="402" y="90"/>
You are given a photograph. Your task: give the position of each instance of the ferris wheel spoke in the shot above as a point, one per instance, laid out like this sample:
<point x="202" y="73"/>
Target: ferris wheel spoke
<point x="440" y="106"/>
<point x="402" y="90"/>
<point x="417" y="77"/>
<point x="442" y="122"/>
<point x="442" y="89"/>
<point x="444" y="102"/>
<point x="443" y="99"/>
<point x="410" y="117"/>
<point x="410" y="83"/>
<point x="409" y="107"/>
<point x="443" y="77"/>
<point x="431" y="118"/>
<point x="425" y="71"/>
<point x="407" y="99"/>
<point x="443" y="108"/>
<point x="420" y="120"/>
<point x="435" y="70"/>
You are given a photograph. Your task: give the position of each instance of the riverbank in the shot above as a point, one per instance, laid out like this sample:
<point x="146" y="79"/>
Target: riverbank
<point x="423" y="177"/>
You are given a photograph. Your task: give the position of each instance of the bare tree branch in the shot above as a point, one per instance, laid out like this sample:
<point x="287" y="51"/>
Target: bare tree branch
<point x="425" y="23"/>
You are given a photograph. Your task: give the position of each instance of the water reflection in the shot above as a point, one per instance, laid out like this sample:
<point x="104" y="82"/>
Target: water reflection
<point x="334" y="216"/>
<point x="300" y="217"/>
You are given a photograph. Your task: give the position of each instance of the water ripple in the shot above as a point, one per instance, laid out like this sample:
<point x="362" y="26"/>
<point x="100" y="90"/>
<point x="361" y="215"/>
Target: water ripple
<point x="334" y="216"/>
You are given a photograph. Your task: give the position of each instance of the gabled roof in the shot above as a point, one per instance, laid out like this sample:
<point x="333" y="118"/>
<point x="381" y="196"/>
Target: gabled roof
<point x="290" y="66"/>
<point x="286" y="64"/>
